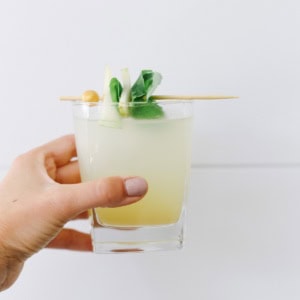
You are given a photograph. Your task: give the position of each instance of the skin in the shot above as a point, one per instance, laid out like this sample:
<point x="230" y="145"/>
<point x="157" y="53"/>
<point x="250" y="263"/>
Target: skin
<point x="41" y="193"/>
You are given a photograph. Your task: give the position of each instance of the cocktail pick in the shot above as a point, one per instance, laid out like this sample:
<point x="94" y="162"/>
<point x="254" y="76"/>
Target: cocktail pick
<point x="92" y="96"/>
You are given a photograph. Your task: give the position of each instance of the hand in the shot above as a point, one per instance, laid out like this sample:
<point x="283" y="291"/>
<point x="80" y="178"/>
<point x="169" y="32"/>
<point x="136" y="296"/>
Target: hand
<point x="41" y="193"/>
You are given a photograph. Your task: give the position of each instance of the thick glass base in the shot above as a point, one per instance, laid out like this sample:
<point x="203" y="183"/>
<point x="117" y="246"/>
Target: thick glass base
<point x="137" y="239"/>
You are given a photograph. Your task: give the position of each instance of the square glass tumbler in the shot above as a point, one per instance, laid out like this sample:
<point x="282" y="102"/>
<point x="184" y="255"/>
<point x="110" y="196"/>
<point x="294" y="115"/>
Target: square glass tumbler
<point x="158" y="150"/>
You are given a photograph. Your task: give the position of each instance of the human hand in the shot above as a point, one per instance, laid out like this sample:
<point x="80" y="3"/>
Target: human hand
<point x="41" y="193"/>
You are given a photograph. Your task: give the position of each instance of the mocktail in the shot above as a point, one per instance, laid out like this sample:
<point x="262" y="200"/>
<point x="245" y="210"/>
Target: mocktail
<point x="158" y="150"/>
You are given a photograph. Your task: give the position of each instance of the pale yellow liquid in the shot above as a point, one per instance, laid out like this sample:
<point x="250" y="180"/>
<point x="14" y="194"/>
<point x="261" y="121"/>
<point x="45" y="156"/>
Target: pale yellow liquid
<point x="158" y="150"/>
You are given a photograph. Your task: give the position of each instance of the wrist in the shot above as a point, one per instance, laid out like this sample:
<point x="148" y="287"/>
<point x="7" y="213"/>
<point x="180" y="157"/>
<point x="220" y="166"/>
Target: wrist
<point x="10" y="269"/>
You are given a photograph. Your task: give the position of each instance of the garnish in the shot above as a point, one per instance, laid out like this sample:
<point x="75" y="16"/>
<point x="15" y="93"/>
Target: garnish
<point x="109" y="114"/>
<point x="144" y="106"/>
<point x="148" y="110"/>
<point x="145" y="85"/>
<point x="126" y="94"/>
<point x="136" y="101"/>
<point x="116" y="89"/>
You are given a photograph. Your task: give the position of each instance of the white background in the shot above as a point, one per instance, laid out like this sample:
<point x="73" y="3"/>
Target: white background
<point x="243" y="233"/>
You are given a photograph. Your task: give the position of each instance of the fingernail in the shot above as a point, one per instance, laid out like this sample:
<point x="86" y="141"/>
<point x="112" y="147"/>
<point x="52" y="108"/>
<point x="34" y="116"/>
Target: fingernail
<point x="135" y="186"/>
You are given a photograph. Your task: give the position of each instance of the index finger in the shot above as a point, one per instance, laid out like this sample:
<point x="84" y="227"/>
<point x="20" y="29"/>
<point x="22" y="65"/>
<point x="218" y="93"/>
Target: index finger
<point x="62" y="150"/>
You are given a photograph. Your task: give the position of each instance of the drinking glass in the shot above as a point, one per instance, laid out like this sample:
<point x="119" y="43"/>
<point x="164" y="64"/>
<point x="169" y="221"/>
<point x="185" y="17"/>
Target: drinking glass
<point x="158" y="150"/>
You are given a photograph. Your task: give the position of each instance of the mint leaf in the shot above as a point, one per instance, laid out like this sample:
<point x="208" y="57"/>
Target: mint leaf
<point x="115" y="89"/>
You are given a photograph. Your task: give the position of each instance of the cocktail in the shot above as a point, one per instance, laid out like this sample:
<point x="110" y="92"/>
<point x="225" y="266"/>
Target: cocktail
<point x="132" y="133"/>
<point x="158" y="150"/>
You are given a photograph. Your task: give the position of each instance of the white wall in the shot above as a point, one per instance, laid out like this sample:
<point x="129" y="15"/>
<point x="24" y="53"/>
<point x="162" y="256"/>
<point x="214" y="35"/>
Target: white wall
<point x="243" y="214"/>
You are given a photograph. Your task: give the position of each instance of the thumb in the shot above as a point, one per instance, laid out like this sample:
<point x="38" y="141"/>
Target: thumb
<point x="105" y="192"/>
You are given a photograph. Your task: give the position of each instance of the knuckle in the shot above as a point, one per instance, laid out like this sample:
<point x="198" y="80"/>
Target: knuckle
<point x="20" y="159"/>
<point x="111" y="189"/>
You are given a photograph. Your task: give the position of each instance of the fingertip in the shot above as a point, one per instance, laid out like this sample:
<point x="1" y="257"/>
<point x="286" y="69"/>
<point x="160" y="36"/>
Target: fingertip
<point x="116" y="191"/>
<point x="135" y="186"/>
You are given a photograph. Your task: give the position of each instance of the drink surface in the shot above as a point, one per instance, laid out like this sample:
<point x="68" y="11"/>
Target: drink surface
<point x="158" y="150"/>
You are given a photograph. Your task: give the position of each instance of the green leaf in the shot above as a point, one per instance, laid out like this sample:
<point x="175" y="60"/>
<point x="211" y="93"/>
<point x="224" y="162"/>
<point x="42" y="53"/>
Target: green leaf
<point x="148" y="110"/>
<point x="143" y="106"/>
<point x="139" y="103"/>
<point x="115" y="89"/>
<point x="145" y="85"/>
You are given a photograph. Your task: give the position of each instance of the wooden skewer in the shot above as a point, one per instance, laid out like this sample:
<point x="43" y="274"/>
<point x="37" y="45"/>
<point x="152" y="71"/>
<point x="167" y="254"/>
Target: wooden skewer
<point x="192" y="97"/>
<point x="70" y="98"/>
<point x="164" y="97"/>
